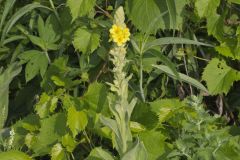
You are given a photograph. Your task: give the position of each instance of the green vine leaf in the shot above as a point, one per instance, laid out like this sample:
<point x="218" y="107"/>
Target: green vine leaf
<point x="76" y="120"/>
<point x="219" y="76"/>
<point x="86" y="40"/>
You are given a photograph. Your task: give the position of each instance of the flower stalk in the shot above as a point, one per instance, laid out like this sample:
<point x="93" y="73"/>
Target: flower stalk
<point x="119" y="106"/>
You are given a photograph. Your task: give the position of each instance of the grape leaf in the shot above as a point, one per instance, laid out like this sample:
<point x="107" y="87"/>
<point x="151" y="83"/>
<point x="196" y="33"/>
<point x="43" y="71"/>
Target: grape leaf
<point x="86" y="40"/>
<point x="76" y="120"/>
<point x="219" y="76"/>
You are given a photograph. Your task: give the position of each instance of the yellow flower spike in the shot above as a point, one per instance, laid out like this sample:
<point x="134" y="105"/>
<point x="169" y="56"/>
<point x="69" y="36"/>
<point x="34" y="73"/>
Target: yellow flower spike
<point x="119" y="35"/>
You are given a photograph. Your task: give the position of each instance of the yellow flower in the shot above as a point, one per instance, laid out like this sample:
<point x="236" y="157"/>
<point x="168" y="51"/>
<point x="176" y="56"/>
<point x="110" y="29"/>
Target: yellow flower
<point x="119" y="35"/>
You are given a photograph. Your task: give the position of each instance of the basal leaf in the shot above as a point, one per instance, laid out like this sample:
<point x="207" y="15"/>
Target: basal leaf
<point x="219" y="76"/>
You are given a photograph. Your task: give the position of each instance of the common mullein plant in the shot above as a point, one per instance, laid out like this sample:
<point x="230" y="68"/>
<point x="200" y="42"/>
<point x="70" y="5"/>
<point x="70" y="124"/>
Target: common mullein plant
<point x="120" y="107"/>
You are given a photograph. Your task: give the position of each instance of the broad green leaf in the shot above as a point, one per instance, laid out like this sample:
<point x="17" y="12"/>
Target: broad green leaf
<point x="154" y="143"/>
<point x="172" y="40"/>
<point x="219" y="76"/>
<point x="5" y="79"/>
<point x="182" y="77"/>
<point x="76" y="120"/>
<point x="100" y="154"/>
<point x="37" y="62"/>
<point x="137" y="10"/>
<point x="96" y="98"/>
<point x="86" y="40"/>
<point x="164" y="108"/>
<point x="14" y="155"/>
<point x="80" y="7"/>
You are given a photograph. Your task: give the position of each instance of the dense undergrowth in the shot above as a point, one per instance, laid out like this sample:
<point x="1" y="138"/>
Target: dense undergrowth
<point x="119" y="79"/>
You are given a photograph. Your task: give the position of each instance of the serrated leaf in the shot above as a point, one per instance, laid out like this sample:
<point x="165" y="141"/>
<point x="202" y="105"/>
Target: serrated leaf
<point x="76" y="120"/>
<point x="80" y="7"/>
<point x="37" y="62"/>
<point x="219" y="76"/>
<point x="86" y="40"/>
<point x="164" y="108"/>
<point x="14" y="155"/>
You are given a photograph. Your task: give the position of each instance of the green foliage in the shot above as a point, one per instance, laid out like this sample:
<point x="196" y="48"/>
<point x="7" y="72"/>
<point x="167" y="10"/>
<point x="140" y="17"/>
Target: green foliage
<point x="77" y="120"/>
<point x="86" y="41"/>
<point x="225" y="76"/>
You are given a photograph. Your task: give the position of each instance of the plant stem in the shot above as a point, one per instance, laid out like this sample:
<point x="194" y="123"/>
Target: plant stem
<point x="141" y="79"/>
<point x="49" y="60"/>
